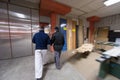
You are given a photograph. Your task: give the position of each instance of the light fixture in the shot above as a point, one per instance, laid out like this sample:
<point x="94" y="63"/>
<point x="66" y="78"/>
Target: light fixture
<point x="111" y="2"/>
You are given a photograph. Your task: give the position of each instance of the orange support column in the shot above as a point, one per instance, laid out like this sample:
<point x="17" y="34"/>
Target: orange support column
<point x="91" y="34"/>
<point x="53" y="20"/>
<point x="92" y="21"/>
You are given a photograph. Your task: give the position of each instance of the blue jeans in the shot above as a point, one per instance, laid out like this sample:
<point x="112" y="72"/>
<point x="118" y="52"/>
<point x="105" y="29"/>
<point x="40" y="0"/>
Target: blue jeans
<point x="57" y="59"/>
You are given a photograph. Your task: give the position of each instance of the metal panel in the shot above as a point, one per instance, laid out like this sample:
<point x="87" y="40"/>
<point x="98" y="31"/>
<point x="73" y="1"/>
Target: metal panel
<point x="20" y="30"/>
<point x="19" y="12"/>
<point x="26" y="3"/>
<point x="35" y="23"/>
<point x="5" y="51"/>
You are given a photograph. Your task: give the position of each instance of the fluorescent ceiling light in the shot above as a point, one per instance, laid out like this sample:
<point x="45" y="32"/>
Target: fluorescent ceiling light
<point x="111" y="2"/>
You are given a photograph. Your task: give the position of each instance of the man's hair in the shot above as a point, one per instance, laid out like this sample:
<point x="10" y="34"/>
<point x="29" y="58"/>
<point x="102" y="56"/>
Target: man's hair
<point x="56" y="28"/>
<point x="41" y="27"/>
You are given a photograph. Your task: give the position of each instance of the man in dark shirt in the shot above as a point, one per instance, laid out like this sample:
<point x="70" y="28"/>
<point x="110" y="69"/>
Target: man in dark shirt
<point x="41" y="40"/>
<point x="57" y="41"/>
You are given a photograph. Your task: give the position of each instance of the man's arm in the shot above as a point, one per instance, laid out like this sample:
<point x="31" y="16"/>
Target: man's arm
<point x="33" y="39"/>
<point x="48" y="40"/>
<point x="52" y="39"/>
<point x="49" y="44"/>
<point x="63" y="40"/>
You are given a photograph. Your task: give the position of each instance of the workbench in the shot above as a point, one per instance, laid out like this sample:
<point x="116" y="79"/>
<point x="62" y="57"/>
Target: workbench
<point x="110" y="63"/>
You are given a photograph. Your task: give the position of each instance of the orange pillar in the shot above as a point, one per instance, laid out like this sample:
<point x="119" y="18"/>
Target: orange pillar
<point x="53" y="20"/>
<point x="91" y="32"/>
<point x="92" y="21"/>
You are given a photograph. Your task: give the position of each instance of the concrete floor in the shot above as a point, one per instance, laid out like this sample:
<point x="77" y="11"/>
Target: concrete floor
<point x="74" y="67"/>
<point x="88" y="67"/>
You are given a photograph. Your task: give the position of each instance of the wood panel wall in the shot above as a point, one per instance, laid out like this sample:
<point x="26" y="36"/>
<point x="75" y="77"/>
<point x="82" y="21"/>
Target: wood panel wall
<point x="74" y="34"/>
<point x="71" y="34"/>
<point x="102" y="34"/>
<point x="81" y="32"/>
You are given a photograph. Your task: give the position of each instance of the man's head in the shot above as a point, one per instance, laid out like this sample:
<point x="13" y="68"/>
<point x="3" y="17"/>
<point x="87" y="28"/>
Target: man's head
<point x="41" y="27"/>
<point x="56" y="29"/>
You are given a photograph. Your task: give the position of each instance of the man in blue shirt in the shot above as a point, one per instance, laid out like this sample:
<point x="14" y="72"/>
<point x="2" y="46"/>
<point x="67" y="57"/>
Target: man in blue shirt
<point x="41" y="40"/>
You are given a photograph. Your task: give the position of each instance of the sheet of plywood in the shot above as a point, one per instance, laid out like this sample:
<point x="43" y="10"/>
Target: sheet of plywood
<point x="71" y="34"/>
<point x="74" y="34"/>
<point x="102" y="34"/>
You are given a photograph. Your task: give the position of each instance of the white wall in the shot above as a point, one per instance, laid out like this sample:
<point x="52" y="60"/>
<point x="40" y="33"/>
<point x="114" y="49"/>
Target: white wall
<point x="112" y="21"/>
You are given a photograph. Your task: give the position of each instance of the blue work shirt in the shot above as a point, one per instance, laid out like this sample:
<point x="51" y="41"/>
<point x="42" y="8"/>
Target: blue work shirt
<point x="41" y="40"/>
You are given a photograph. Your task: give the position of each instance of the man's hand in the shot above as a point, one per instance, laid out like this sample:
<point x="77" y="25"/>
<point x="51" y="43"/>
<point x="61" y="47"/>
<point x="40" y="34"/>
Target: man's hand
<point x="51" y="48"/>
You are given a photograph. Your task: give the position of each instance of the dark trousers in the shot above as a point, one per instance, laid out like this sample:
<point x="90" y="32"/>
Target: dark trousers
<point x="57" y="59"/>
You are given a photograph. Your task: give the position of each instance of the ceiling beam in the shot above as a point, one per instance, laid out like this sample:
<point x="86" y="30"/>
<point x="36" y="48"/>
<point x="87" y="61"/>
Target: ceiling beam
<point x="52" y="6"/>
